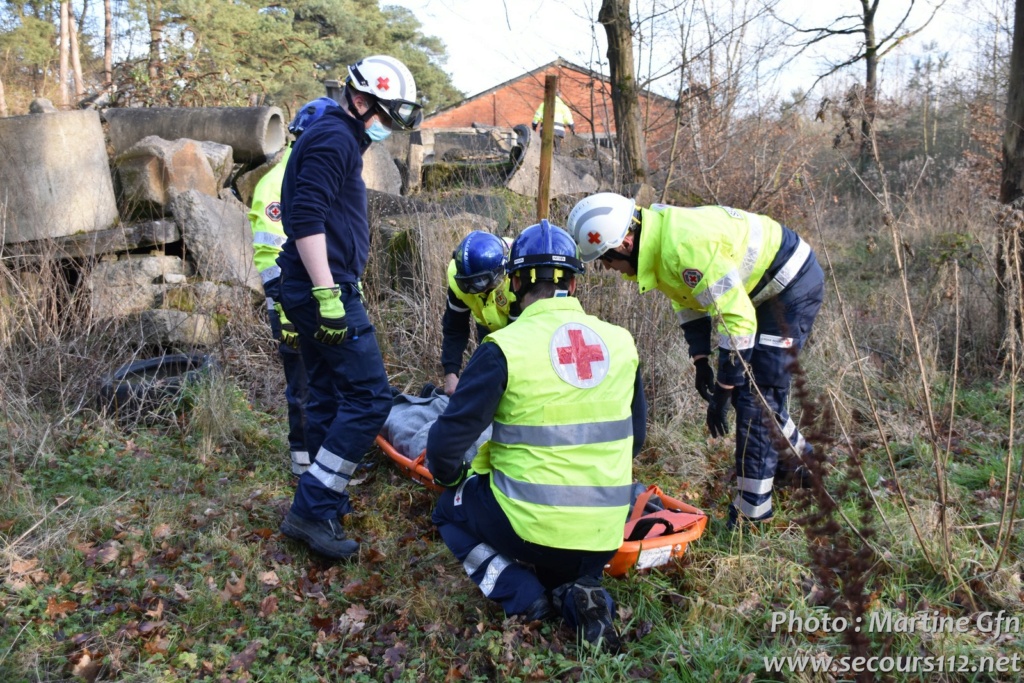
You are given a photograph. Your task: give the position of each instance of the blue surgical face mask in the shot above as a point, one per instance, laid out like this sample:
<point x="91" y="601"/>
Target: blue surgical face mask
<point x="377" y="131"/>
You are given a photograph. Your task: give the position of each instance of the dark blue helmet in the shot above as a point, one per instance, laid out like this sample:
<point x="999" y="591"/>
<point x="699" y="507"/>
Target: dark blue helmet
<point x="544" y="250"/>
<point x="310" y="112"/>
<point x="480" y="262"/>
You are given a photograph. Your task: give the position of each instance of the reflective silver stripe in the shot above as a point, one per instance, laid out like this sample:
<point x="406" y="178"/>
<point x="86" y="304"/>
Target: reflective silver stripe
<point x="268" y="274"/>
<point x="758" y="486"/>
<point x="562" y="495"/>
<point x="477" y="556"/>
<point x="300" y="458"/>
<point x="685" y="315"/>
<point x="336" y="463"/>
<point x="494" y="570"/>
<point x="750" y="510"/>
<point x="270" y="303"/>
<point x="563" y="435"/>
<point x="785" y="274"/>
<point x="754" y="240"/>
<point x="299" y="469"/>
<point x="269" y="239"/>
<point x="788" y="430"/>
<point x="736" y="342"/>
<point x="332" y="481"/>
<point x="457" y="309"/>
<point x="714" y="292"/>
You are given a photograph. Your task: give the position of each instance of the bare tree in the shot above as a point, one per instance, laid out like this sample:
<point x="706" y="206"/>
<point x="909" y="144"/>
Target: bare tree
<point x="614" y="16"/>
<point x="154" y="14"/>
<point x="65" y="50"/>
<point x="108" y="44"/>
<point x="76" y="60"/>
<point x="3" y="100"/>
<point x="1012" y="187"/>
<point x="871" y="50"/>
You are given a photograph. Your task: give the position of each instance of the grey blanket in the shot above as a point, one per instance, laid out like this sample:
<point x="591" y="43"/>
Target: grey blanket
<point x="411" y="418"/>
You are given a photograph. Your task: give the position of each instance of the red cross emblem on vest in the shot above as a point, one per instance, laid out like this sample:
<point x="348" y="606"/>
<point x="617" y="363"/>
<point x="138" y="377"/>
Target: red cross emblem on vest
<point x="382" y="83"/>
<point x="579" y="355"/>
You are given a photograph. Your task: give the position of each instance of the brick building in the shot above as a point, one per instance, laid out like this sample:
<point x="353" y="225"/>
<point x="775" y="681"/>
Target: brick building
<point x="586" y="93"/>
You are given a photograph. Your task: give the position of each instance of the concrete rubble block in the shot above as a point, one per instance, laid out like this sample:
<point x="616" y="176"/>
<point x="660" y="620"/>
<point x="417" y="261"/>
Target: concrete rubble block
<point x="125" y="237"/>
<point x="154" y="170"/>
<point x="564" y="178"/>
<point x="41" y="105"/>
<point x="54" y="177"/>
<point x="218" y="238"/>
<point x="221" y="160"/>
<point x="246" y="182"/>
<point x="174" y="329"/>
<point x="136" y="269"/>
<point x="209" y="298"/>
<point x="380" y="172"/>
<point x="253" y="133"/>
<point x="122" y="300"/>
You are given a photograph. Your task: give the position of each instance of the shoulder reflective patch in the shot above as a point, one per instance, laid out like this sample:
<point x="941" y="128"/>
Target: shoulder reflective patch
<point x="772" y="340"/>
<point x="579" y="356"/>
<point x="735" y="213"/>
<point x="691" y="276"/>
<point x="273" y="211"/>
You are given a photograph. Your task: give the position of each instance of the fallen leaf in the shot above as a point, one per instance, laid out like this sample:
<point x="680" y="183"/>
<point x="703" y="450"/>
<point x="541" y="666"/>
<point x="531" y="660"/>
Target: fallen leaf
<point x="148" y="627"/>
<point x="81" y="588"/>
<point x="182" y="592"/>
<point x="59" y="610"/>
<point x="108" y="552"/>
<point x="374" y="556"/>
<point x="6" y="525"/>
<point x="268" y="606"/>
<point x="244" y="659"/>
<point x="23" y="566"/>
<point x="234" y="587"/>
<point x="358" y="612"/>
<point x="269" y="579"/>
<point x="394" y="655"/>
<point x="85" y="667"/>
<point x="157" y="612"/>
<point x="157" y="646"/>
<point x="161" y="531"/>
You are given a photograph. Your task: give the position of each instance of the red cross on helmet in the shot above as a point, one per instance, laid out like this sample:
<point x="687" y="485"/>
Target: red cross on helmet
<point x="599" y="223"/>
<point x="391" y="83"/>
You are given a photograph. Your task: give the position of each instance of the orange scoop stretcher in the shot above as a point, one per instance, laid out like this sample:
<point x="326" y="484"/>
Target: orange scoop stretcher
<point x="650" y="538"/>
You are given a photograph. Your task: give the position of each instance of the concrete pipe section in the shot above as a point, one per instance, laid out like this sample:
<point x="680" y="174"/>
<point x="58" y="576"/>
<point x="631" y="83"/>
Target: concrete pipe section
<point x="253" y="133"/>
<point x="54" y="177"/>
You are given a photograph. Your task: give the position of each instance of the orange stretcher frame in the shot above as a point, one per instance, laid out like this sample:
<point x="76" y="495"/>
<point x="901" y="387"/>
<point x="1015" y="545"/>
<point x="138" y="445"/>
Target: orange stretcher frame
<point x="643" y="554"/>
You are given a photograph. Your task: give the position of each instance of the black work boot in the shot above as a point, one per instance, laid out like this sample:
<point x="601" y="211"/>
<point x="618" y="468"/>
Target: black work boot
<point x="324" y="536"/>
<point x="593" y="615"/>
<point x="539" y="610"/>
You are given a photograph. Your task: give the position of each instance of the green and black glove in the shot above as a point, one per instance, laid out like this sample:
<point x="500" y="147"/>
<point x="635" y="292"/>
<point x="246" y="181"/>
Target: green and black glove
<point x="289" y="335"/>
<point x="333" y="325"/>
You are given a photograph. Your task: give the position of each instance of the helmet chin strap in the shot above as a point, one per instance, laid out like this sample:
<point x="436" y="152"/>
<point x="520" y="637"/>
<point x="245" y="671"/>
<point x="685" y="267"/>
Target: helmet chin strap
<point x="355" y="110"/>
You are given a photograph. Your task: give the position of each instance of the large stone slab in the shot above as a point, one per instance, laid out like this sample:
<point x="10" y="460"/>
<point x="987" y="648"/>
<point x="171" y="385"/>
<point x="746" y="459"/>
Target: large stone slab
<point x="154" y="170"/>
<point x="54" y="177"/>
<point x="380" y="172"/>
<point x="218" y="239"/>
<point x="125" y="237"/>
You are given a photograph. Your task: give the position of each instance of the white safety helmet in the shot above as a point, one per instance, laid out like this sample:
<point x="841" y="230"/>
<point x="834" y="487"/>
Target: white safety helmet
<point x="599" y="223"/>
<point x="391" y="82"/>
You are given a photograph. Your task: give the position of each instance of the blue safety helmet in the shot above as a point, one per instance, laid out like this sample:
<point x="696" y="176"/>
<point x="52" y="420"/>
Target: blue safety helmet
<point x="543" y="252"/>
<point x="310" y="112"/>
<point x="480" y="262"/>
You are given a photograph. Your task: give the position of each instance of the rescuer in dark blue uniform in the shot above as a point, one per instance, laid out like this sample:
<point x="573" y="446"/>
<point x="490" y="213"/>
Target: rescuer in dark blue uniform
<point x="323" y="199"/>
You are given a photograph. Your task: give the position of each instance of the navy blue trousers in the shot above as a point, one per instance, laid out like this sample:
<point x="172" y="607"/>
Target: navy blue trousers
<point x="349" y="399"/>
<point x="507" y="569"/>
<point x="296" y="392"/>
<point x="783" y="325"/>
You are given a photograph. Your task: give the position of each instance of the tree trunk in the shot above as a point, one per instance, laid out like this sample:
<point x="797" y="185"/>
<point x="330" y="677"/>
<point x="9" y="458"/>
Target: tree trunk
<point x="1011" y="189"/>
<point x="867" y="120"/>
<point x="156" y="36"/>
<point x="3" y="100"/>
<point x="76" y="60"/>
<point x="614" y="16"/>
<point x="108" y="43"/>
<point x="65" y="51"/>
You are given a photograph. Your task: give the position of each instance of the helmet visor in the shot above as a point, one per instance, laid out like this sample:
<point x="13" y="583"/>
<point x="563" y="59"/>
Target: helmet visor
<point x="403" y="114"/>
<point x="479" y="283"/>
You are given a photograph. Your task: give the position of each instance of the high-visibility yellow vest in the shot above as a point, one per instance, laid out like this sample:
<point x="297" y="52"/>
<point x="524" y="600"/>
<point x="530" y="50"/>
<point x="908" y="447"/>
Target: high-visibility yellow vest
<point x="560" y="453"/>
<point x="707" y="260"/>
<point x="490" y="309"/>
<point x="268" y="236"/>
<point x="563" y="116"/>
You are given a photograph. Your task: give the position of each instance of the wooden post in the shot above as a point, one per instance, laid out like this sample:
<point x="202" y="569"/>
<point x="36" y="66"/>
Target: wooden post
<point x="547" y="146"/>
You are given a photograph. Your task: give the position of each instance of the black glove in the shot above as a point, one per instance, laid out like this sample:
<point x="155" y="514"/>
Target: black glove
<point x="718" y="411"/>
<point x="705" y="378"/>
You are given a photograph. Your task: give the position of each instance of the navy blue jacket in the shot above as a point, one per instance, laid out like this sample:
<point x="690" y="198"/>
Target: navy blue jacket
<point x="471" y="409"/>
<point x="323" y="192"/>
